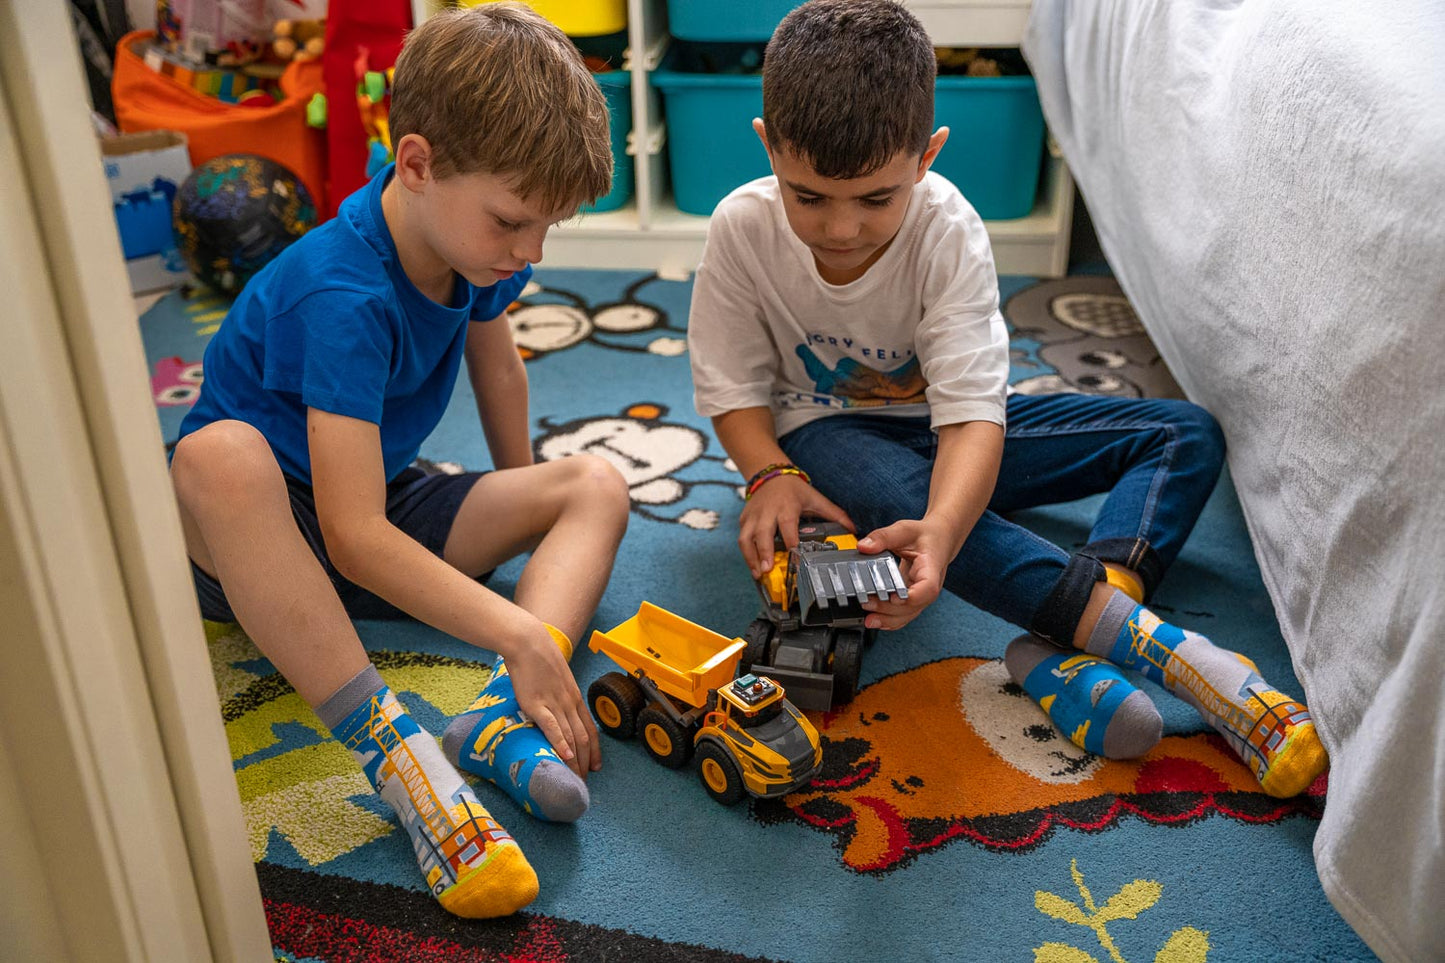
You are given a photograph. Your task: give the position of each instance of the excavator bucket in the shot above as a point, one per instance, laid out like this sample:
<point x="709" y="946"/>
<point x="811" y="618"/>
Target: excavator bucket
<point x="833" y="585"/>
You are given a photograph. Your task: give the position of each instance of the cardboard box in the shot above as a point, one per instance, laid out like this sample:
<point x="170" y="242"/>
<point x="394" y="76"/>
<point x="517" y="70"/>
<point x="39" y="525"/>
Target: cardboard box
<point x="144" y="172"/>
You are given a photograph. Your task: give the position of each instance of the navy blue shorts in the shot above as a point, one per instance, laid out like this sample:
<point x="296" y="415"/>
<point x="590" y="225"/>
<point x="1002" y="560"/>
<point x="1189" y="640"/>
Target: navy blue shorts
<point x="423" y="505"/>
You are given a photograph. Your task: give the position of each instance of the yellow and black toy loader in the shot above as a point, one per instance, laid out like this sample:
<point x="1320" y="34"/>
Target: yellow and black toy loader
<point x="810" y="636"/>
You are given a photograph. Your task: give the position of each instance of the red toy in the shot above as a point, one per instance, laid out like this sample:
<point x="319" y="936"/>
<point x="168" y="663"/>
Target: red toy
<point x="368" y="32"/>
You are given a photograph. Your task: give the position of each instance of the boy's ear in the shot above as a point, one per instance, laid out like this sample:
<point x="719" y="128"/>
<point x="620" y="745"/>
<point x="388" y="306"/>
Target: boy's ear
<point x="935" y="144"/>
<point x="762" y="133"/>
<point x="413" y="161"/>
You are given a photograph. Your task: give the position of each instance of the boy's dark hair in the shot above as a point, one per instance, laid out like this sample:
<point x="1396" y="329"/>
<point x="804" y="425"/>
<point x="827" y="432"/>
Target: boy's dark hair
<point x="496" y="88"/>
<point x="848" y="84"/>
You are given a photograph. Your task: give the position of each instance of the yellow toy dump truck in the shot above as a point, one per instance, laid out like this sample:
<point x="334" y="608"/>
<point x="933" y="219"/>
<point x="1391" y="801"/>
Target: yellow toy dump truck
<point x="810" y="636"/>
<point x="681" y="694"/>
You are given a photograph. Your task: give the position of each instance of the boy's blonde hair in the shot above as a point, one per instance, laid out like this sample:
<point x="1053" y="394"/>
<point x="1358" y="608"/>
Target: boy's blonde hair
<point x="497" y="89"/>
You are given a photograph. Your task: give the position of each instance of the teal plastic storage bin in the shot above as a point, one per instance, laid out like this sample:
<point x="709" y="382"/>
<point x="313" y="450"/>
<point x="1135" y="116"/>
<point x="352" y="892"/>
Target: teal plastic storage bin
<point x="994" y="150"/>
<point x="711" y="147"/>
<point x="733" y="20"/>
<point x="995" y="142"/>
<point x="617" y="88"/>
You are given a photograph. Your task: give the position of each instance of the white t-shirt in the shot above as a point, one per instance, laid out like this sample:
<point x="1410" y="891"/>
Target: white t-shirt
<point x="919" y="333"/>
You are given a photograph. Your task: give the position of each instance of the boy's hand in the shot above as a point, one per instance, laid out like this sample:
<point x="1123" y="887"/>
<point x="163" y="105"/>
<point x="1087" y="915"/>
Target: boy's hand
<point x="548" y="694"/>
<point x="776" y="507"/>
<point x="922" y="556"/>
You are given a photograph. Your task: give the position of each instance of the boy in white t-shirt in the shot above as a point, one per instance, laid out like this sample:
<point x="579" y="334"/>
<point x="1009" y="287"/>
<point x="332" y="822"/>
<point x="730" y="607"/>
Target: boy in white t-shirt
<point x="846" y="340"/>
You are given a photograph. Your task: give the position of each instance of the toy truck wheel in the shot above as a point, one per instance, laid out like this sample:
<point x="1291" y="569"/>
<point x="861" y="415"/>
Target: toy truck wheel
<point x="667" y="741"/>
<point x="847" y="663"/>
<point x="616" y="700"/>
<point x="759" y="633"/>
<point x="719" y="774"/>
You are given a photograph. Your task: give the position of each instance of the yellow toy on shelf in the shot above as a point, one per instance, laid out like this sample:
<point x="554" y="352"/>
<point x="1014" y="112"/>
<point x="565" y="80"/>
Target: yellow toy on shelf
<point x="577" y="18"/>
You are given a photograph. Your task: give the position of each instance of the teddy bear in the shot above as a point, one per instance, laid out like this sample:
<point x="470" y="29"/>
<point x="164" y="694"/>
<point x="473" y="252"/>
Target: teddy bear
<point x="298" y="40"/>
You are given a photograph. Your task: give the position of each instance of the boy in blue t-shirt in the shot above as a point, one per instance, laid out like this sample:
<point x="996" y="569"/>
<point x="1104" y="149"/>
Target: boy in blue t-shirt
<point x="294" y="473"/>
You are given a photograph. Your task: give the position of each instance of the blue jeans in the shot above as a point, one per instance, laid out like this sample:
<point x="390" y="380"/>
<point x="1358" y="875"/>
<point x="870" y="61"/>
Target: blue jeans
<point x="1157" y="460"/>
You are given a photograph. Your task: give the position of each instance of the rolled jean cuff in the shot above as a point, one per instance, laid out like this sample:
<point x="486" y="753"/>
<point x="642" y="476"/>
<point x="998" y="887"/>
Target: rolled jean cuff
<point x="1135" y="554"/>
<point x="1059" y="616"/>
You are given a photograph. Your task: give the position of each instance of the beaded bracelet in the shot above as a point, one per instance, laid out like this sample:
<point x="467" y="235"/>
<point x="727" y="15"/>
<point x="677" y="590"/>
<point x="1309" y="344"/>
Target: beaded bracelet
<point x="772" y="471"/>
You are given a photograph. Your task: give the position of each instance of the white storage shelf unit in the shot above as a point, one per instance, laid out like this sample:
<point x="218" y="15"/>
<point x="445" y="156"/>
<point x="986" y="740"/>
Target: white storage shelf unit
<point x="651" y="233"/>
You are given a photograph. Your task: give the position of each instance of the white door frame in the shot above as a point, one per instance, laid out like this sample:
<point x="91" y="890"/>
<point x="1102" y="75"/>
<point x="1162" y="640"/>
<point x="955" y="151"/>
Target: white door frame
<point x="116" y="788"/>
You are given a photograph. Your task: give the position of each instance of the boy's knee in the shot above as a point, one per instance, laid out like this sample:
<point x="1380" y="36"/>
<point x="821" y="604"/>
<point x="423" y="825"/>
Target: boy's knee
<point x="599" y="481"/>
<point x="1199" y="433"/>
<point x="603" y="477"/>
<point x="225" y="460"/>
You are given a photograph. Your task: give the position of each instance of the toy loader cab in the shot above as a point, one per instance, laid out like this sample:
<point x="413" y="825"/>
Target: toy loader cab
<point x="810" y="636"/>
<point x="755" y="742"/>
<point x="679" y="693"/>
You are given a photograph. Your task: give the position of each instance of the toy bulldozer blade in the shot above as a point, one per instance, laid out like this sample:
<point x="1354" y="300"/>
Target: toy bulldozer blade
<point x="833" y="586"/>
<point x="811" y="633"/>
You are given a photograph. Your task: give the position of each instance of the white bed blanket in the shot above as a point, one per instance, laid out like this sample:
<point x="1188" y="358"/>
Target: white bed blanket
<point x="1268" y="183"/>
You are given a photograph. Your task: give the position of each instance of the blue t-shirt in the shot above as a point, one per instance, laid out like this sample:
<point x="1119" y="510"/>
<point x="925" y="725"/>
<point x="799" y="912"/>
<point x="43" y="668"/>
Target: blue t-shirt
<point x="334" y="323"/>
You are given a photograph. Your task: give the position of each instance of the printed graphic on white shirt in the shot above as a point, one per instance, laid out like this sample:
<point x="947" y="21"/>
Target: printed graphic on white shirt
<point x="852" y="384"/>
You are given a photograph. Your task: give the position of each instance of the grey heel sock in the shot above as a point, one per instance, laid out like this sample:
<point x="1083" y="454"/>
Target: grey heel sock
<point x="1086" y="698"/>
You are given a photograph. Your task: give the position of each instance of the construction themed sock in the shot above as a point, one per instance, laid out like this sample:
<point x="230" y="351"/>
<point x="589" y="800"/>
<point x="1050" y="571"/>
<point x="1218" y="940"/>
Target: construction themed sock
<point x="473" y="866"/>
<point x="1088" y="699"/>
<point x="1271" y="732"/>
<point x="494" y="739"/>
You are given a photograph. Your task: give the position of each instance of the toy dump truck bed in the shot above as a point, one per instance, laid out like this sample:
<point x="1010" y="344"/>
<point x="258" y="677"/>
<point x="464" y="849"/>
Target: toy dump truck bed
<point x="682" y="658"/>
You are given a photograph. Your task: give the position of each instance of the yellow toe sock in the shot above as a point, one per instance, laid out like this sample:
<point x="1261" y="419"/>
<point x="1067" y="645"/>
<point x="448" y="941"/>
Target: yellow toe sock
<point x="471" y="864"/>
<point x="1273" y="733"/>
<point x="1296" y="763"/>
<point x="502" y="884"/>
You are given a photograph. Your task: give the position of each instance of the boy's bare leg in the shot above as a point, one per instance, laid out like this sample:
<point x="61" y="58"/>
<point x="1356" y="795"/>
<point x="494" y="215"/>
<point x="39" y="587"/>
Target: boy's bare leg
<point x="571" y="515"/>
<point x="1270" y="731"/>
<point x="236" y="516"/>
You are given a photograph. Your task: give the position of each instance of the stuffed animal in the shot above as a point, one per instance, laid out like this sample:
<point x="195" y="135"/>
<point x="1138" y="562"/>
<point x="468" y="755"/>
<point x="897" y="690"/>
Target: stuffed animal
<point x="298" y="39"/>
<point x="968" y="61"/>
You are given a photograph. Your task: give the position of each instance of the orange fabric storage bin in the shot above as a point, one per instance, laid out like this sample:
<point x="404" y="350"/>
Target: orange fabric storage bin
<point x="146" y="100"/>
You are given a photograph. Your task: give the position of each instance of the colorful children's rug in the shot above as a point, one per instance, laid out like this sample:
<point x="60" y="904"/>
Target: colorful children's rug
<point x="950" y="820"/>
